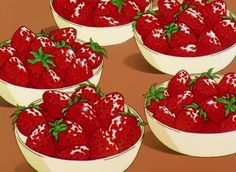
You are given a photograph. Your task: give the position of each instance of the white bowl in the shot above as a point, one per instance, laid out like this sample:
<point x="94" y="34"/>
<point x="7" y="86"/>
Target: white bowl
<point x="104" y="35"/>
<point x="116" y="163"/>
<point x="193" y="144"/>
<point x="18" y="95"/>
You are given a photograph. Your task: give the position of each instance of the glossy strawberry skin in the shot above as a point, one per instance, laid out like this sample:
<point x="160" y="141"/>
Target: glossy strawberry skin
<point x="6" y="52"/>
<point x="129" y="11"/>
<point x="210" y="127"/>
<point x="142" y="4"/>
<point x="198" y="4"/>
<point x="227" y="85"/>
<point x="47" y="45"/>
<point x="105" y="21"/>
<point x="153" y="107"/>
<point x="74" y="153"/>
<point x="102" y="144"/>
<point x="189" y="50"/>
<point x="228" y="124"/>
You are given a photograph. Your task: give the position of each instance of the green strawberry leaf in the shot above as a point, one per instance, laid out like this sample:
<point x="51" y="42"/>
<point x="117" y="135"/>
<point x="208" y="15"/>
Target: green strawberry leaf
<point x="6" y="43"/>
<point x="97" y="48"/>
<point x="57" y="128"/>
<point x="119" y="4"/>
<point x="230" y="104"/>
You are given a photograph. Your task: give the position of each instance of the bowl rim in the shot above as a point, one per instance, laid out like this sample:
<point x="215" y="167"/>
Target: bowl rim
<point x="89" y="27"/>
<point x="150" y="114"/>
<point x="17" y="136"/>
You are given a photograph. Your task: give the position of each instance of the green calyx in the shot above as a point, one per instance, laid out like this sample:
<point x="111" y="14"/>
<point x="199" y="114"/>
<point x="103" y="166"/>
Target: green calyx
<point x="71" y="103"/>
<point x="22" y="108"/>
<point x="155" y="94"/>
<point x="57" y="128"/>
<point x="87" y="83"/>
<point x="42" y="33"/>
<point x="6" y="43"/>
<point x="182" y="8"/>
<point x="208" y="1"/>
<point x="230" y="103"/>
<point x="201" y="111"/>
<point x="96" y="47"/>
<point x="119" y="4"/>
<point x="139" y="121"/>
<point x="41" y="57"/>
<point x="171" y="29"/>
<point x="62" y="44"/>
<point x="231" y="16"/>
<point x="139" y="14"/>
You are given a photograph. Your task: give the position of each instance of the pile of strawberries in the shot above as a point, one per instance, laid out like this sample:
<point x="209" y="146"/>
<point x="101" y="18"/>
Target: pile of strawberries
<point x="193" y="28"/>
<point x="100" y="13"/>
<point x="199" y="105"/>
<point x="51" y="60"/>
<point x="84" y="126"/>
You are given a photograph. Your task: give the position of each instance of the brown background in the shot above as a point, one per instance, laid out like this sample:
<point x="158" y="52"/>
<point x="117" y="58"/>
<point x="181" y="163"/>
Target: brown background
<point x="126" y="71"/>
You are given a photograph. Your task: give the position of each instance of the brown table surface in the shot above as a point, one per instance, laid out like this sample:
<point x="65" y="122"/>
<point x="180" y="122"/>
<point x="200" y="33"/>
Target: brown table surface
<point x="126" y="71"/>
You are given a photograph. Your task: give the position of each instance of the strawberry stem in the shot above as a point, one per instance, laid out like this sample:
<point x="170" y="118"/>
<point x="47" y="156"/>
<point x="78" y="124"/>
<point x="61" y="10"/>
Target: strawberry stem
<point x="156" y="94"/>
<point x="42" y="33"/>
<point x="6" y="43"/>
<point x="96" y="47"/>
<point x="119" y="4"/>
<point x="57" y="128"/>
<point x="196" y="106"/>
<point x="62" y="44"/>
<point x="87" y="83"/>
<point x="229" y="17"/>
<point x="229" y="102"/>
<point x="182" y="8"/>
<point x="170" y="29"/>
<point x="129" y="113"/>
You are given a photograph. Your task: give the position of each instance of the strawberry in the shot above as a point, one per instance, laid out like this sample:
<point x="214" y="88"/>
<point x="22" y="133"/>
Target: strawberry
<point x="192" y="18"/>
<point x="54" y="102"/>
<point x="102" y="144"/>
<point x="105" y="21"/>
<point x="63" y="58"/>
<point x="227" y="85"/>
<point x="74" y="153"/>
<point x="189" y="50"/>
<point x="65" y="7"/>
<point x="67" y="134"/>
<point x="108" y="107"/>
<point x="129" y="11"/>
<point x="92" y="52"/>
<point x="6" y="52"/>
<point x="204" y="86"/>
<point x="213" y="12"/>
<point x="78" y="72"/>
<point x="15" y="72"/>
<point x="21" y="41"/>
<point x="209" y="39"/>
<point x="142" y="4"/>
<point x="125" y="130"/>
<point x="47" y="45"/>
<point x="226" y="31"/>
<point x="179" y="83"/>
<point x="42" y="141"/>
<point x="67" y="34"/>
<point x="157" y="40"/>
<point x="83" y="114"/>
<point x="198" y="4"/>
<point x="153" y="106"/>
<point x="228" y="124"/>
<point x="49" y="79"/>
<point x="165" y="116"/>
<point x="189" y="120"/>
<point x="178" y="102"/>
<point x="167" y="9"/>
<point x="144" y="23"/>
<point x="88" y="92"/>
<point x="82" y="14"/>
<point x="28" y="118"/>
<point x="210" y="127"/>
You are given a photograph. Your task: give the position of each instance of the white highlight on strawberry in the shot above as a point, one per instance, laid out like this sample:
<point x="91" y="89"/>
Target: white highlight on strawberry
<point x="33" y="112"/>
<point x="200" y="2"/>
<point x="167" y="111"/>
<point x="184" y="28"/>
<point x="88" y="112"/>
<point x="76" y="12"/>
<point x="219" y="8"/>
<point x="9" y="50"/>
<point x="212" y="103"/>
<point x="79" y="149"/>
<point x="115" y="98"/>
<point x="229" y="22"/>
<point x="102" y="4"/>
<point x="70" y="33"/>
<point x="183" y="96"/>
<point x="45" y="42"/>
<point x="168" y="3"/>
<point x="18" y="62"/>
<point x="70" y="54"/>
<point x="189" y="48"/>
<point x="213" y="38"/>
<point x="231" y="79"/>
<point x="110" y="20"/>
<point x="195" y="14"/>
<point x="193" y="114"/>
<point x="54" y="76"/>
<point x="134" y="5"/>
<point x="62" y="96"/>
<point x="74" y="128"/>
<point x="234" y="118"/>
<point x="150" y="18"/>
<point x="210" y="82"/>
<point x="109" y="140"/>
<point x="158" y="32"/>
<point x="182" y="77"/>
<point x="24" y="30"/>
<point x="73" y="1"/>
<point x="35" y="134"/>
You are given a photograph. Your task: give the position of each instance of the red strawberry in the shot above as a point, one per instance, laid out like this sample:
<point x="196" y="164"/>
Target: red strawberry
<point x="198" y="4"/>
<point x="63" y="58"/>
<point x="105" y="21"/>
<point x="93" y="3"/>
<point x="78" y="72"/>
<point x="42" y="141"/>
<point x="204" y="86"/>
<point x="213" y="12"/>
<point x="157" y="40"/>
<point x="227" y="85"/>
<point x="189" y="120"/>
<point x="229" y="123"/>
<point x="210" y="127"/>
<point x="47" y="45"/>
<point x="209" y="39"/>
<point x="49" y="79"/>
<point x="54" y="102"/>
<point x="125" y="130"/>
<point x="68" y="133"/>
<point x="67" y="34"/>
<point x="21" y="41"/>
<point x="129" y="11"/>
<point x="83" y="114"/>
<point x="15" y="72"/>
<point x="145" y="23"/>
<point x="65" y="7"/>
<point x="142" y="4"/>
<point x="108" y="107"/>
<point x="193" y="19"/>
<point x="178" y="102"/>
<point x="74" y="153"/>
<point x="82" y="14"/>
<point x="179" y="83"/>
<point x="6" y="52"/>
<point x="28" y="118"/>
<point x="153" y="106"/>
<point x="189" y="50"/>
<point x="165" y="116"/>
<point x="167" y="9"/>
<point x="92" y="52"/>
<point x="102" y="144"/>
<point x="226" y="31"/>
<point x="88" y="92"/>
